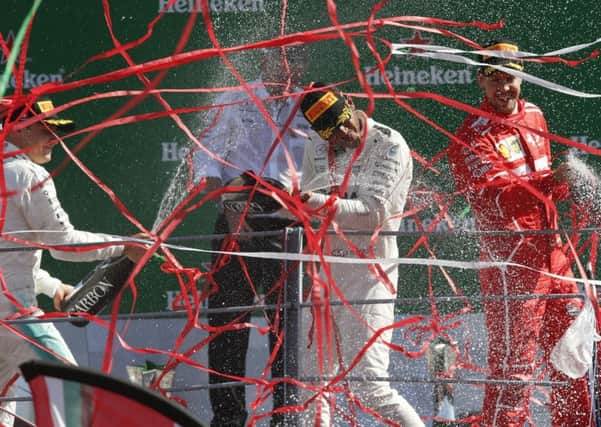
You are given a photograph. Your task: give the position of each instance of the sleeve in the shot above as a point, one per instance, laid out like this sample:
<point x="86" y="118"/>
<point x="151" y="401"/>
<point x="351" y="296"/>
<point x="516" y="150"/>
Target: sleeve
<point x="44" y="214"/>
<point x="474" y="163"/>
<point x="217" y="138"/>
<point x="45" y="283"/>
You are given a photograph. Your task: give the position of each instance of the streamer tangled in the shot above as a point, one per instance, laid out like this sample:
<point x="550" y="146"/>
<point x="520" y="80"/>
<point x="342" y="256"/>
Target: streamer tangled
<point x="195" y="283"/>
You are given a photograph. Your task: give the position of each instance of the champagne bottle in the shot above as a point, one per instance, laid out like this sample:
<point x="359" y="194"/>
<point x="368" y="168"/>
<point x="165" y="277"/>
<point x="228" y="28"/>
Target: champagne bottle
<point x="99" y="287"/>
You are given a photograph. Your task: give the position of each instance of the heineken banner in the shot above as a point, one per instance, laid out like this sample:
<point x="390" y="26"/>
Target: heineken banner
<point x="106" y="53"/>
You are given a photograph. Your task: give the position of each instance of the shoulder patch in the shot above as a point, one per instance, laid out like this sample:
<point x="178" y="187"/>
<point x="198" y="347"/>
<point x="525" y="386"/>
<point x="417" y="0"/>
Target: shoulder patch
<point x="392" y="151"/>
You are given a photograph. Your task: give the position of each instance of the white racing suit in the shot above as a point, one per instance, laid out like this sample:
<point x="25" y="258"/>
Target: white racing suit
<point x="374" y="198"/>
<point x="33" y="214"/>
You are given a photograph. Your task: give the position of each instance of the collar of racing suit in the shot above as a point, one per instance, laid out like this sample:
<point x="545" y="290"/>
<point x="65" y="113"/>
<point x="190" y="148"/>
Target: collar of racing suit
<point x="512" y="116"/>
<point x="10" y="148"/>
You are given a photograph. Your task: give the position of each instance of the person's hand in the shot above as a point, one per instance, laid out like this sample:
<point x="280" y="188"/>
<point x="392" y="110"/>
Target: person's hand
<point x="62" y="293"/>
<point x="284" y="212"/>
<point x="135" y="251"/>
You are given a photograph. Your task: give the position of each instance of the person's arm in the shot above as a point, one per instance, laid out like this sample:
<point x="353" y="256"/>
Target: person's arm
<point x="217" y="141"/>
<point x="310" y="178"/>
<point x="44" y="214"/>
<point x="476" y="166"/>
<point x="44" y="283"/>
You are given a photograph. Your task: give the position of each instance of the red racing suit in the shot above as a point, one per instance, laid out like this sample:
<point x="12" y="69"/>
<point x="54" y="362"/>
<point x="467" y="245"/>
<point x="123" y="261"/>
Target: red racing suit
<point x="505" y="173"/>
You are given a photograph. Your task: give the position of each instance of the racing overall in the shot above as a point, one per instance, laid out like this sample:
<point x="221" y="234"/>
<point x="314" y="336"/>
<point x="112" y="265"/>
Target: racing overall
<point x="505" y="173"/>
<point x="34" y="214"/>
<point x="336" y="335"/>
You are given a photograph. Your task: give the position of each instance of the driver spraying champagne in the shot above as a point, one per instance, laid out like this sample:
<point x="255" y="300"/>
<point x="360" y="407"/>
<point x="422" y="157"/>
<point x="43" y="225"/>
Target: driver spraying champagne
<point x="33" y="213"/>
<point x="99" y="287"/>
<point x="364" y="170"/>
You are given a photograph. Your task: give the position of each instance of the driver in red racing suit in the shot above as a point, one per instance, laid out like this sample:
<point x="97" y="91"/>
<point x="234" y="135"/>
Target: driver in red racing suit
<point x="505" y="173"/>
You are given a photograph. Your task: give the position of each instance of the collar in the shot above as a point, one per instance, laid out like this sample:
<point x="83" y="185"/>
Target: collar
<point x="9" y="147"/>
<point x="489" y="109"/>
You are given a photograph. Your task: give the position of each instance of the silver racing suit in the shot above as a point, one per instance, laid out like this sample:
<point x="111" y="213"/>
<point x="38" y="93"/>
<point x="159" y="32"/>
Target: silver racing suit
<point x="375" y="197"/>
<point x="34" y="215"/>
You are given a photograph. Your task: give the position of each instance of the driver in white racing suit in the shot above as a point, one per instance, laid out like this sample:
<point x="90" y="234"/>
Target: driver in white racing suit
<point x="33" y="216"/>
<point x="373" y="199"/>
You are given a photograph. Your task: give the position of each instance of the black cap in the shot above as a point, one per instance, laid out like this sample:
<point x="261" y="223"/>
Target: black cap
<point x="41" y="106"/>
<point x="325" y="110"/>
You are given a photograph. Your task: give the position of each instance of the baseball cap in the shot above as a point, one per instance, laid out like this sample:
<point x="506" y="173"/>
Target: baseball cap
<point x="325" y="110"/>
<point x="41" y="106"/>
<point x="501" y="45"/>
